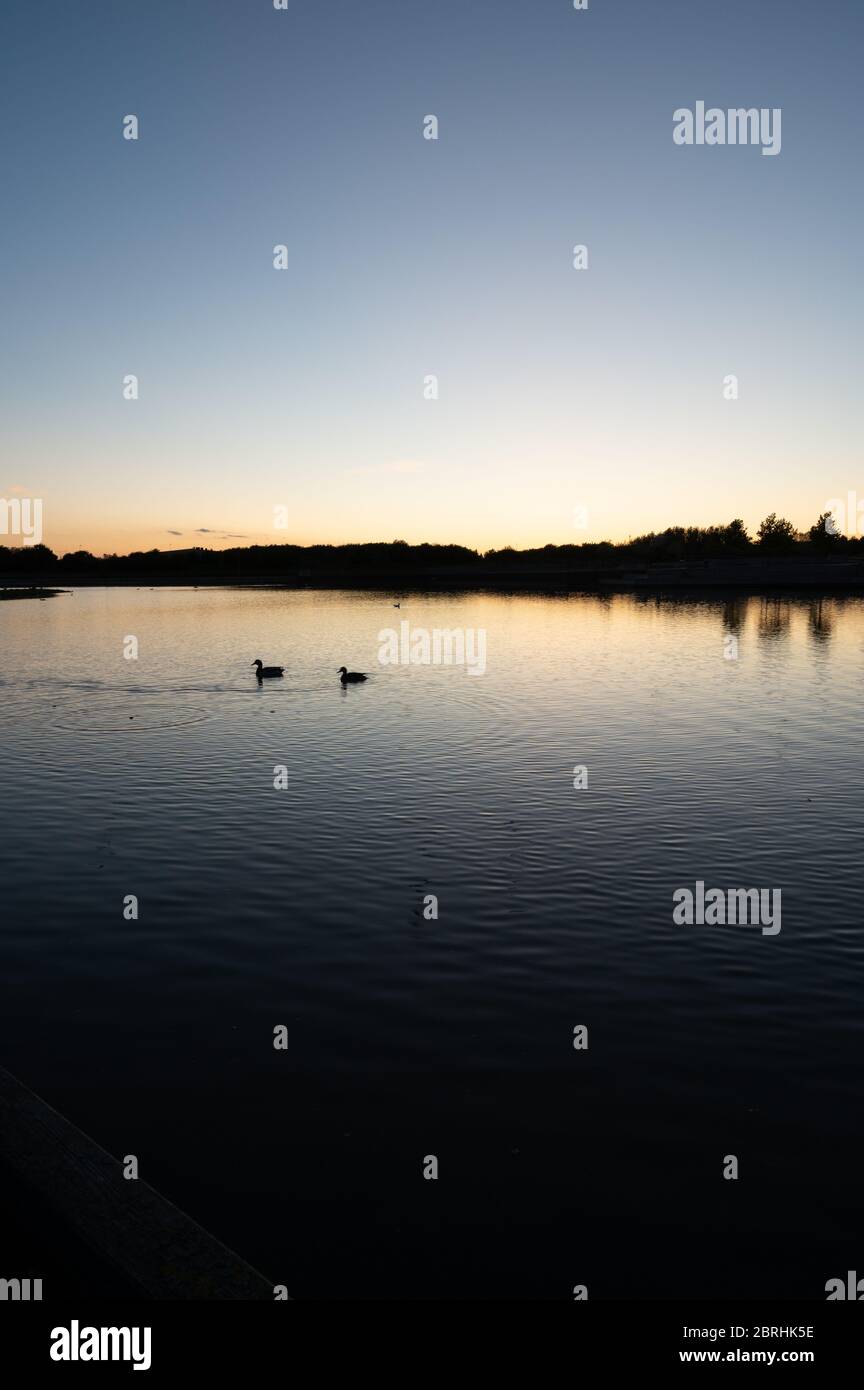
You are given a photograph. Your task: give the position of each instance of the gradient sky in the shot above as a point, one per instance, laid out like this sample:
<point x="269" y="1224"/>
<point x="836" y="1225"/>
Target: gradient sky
<point x="304" y="388"/>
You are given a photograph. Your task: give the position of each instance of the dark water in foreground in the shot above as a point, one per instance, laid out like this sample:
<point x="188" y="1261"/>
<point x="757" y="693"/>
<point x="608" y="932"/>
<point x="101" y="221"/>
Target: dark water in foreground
<point x="410" y="1037"/>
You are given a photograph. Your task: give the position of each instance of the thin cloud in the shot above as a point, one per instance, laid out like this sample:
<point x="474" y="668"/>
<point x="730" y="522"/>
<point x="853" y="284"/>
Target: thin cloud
<point x="220" y="535"/>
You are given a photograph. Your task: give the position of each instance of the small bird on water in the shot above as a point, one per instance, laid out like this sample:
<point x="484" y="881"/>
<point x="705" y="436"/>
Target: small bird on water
<point x="351" y="676"/>
<point x="267" y="670"/>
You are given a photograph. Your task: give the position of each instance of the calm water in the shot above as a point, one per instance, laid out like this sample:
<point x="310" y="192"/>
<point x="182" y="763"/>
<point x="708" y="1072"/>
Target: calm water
<point x="410" y="1037"/>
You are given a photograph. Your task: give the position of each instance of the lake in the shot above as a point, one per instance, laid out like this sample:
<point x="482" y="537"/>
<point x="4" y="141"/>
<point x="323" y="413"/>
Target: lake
<point x="734" y="763"/>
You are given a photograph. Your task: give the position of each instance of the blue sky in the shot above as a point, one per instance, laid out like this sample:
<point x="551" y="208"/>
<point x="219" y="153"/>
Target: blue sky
<point x="303" y="388"/>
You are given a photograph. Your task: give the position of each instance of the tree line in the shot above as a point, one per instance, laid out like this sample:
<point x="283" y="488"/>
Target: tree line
<point x="774" y="536"/>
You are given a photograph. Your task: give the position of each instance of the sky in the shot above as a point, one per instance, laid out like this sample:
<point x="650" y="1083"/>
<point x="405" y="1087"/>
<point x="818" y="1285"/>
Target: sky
<point x="290" y="405"/>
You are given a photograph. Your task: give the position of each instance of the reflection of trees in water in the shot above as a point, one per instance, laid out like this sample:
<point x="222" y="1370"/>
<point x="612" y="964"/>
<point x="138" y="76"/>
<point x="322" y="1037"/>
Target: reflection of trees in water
<point x="773" y="614"/>
<point x="819" y="619"/>
<point x="774" y="617"/>
<point x="733" y="614"/>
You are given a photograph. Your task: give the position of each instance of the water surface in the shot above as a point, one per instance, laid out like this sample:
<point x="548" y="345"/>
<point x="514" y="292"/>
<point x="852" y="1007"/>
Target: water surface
<point x="409" y="1037"/>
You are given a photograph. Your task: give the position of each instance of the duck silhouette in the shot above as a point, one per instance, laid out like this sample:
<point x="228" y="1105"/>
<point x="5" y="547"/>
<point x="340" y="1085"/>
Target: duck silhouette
<point x="350" y="677"/>
<point x="267" y="670"/>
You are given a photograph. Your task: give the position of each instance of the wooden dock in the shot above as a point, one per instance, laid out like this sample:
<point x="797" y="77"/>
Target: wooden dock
<point x="125" y="1223"/>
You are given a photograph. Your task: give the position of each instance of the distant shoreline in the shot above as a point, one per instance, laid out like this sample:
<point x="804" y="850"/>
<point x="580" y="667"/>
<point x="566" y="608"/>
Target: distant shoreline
<point x="712" y="557"/>
<point x="845" y="576"/>
<point x="28" y="590"/>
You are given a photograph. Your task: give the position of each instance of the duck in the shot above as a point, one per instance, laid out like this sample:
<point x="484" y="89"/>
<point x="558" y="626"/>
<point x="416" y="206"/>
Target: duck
<point x="351" y="676"/>
<point x="267" y="670"/>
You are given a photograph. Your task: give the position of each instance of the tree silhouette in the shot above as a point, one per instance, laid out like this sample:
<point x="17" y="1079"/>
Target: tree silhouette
<point x="736" y="537"/>
<point x="385" y="563"/>
<point x="776" y="533"/>
<point x="824" y="534"/>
